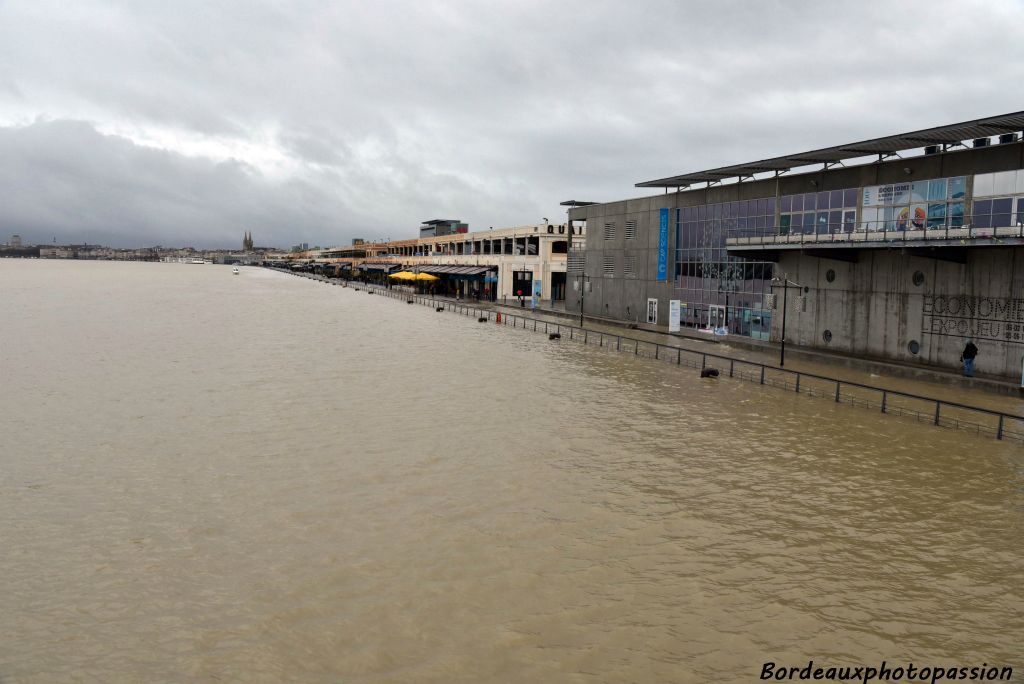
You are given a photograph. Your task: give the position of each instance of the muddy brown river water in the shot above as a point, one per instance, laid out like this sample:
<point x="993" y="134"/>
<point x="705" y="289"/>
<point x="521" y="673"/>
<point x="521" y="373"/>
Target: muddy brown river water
<point x="207" y="477"/>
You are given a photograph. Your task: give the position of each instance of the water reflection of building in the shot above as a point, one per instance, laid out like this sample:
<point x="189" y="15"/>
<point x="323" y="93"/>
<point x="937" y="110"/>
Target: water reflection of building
<point x="904" y="246"/>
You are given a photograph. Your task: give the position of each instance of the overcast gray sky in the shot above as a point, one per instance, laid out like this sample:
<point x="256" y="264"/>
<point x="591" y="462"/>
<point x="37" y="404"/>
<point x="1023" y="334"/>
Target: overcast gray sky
<point x="189" y="122"/>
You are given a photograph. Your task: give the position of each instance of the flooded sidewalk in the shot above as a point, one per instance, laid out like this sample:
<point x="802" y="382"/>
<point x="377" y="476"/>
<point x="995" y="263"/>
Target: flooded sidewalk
<point x="961" y="394"/>
<point x="961" y="407"/>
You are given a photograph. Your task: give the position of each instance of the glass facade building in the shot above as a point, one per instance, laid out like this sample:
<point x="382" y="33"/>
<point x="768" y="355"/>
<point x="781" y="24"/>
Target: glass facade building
<point x="719" y="290"/>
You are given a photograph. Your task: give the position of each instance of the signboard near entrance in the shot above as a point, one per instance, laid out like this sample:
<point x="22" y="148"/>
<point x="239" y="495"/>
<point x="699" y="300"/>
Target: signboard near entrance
<point x="537" y="289"/>
<point x="673" y="315"/>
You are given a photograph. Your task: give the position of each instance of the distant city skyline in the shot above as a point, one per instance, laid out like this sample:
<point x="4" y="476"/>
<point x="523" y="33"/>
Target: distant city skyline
<point x="23" y="242"/>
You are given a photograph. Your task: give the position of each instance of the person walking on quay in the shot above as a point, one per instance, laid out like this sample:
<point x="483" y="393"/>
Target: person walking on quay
<point x="967" y="356"/>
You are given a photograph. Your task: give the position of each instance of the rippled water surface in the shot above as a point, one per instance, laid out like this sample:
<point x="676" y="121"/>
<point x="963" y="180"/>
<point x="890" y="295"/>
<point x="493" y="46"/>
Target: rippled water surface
<point x="207" y="477"/>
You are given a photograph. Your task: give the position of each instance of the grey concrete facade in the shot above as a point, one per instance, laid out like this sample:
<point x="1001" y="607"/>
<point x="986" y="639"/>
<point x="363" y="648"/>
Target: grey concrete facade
<point x="872" y="307"/>
<point x="620" y="296"/>
<point x="883" y="304"/>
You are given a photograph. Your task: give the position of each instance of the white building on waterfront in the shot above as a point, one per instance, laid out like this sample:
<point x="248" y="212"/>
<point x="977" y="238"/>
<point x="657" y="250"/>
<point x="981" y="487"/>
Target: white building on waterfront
<point x="501" y="263"/>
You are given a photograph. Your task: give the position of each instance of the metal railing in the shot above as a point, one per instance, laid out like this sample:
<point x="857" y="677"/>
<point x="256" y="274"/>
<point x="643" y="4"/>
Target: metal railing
<point x="940" y="412"/>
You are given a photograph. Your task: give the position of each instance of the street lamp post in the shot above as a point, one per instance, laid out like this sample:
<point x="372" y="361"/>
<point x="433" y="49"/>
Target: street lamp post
<point x="786" y="283"/>
<point x="582" y="280"/>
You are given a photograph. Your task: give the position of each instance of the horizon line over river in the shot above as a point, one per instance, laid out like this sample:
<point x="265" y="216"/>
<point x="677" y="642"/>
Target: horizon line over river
<point x="256" y="477"/>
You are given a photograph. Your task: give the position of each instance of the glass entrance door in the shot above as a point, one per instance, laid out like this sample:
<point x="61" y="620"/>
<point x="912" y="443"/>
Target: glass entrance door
<point x="716" y="316"/>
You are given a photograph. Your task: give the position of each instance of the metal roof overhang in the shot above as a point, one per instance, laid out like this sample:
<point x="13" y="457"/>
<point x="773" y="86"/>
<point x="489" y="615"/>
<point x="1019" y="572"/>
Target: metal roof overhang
<point x="940" y="135"/>
<point x="377" y="267"/>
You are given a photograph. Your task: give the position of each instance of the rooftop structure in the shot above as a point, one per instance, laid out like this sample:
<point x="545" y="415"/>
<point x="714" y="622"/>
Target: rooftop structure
<point x="438" y="227"/>
<point x="933" y="140"/>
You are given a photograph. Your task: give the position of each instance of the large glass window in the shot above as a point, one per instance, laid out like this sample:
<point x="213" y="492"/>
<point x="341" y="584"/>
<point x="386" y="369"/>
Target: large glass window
<point x="919" y="191"/>
<point x="995" y="196"/>
<point x="707" y="276"/>
<point x="818" y="212"/>
<point x="849" y="221"/>
<point x="808" y="220"/>
<point x="982" y="214"/>
<point x="955" y="212"/>
<point x="1001" y="212"/>
<point x="958" y="188"/>
<point x="910" y="206"/>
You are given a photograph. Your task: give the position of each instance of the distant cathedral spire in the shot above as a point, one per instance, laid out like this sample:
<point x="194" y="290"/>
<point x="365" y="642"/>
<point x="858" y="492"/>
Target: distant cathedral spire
<point x="247" y="242"/>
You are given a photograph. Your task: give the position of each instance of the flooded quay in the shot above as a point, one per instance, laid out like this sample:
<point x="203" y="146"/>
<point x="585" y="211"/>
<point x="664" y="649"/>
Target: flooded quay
<point x="262" y="478"/>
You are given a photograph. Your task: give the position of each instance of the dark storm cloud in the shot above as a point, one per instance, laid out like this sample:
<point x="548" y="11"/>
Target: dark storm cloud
<point x="360" y="119"/>
<point x="64" y="180"/>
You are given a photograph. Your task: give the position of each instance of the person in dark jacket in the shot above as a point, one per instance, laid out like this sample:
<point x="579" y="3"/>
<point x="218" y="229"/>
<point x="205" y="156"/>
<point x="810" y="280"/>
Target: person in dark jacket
<point x="967" y="356"/>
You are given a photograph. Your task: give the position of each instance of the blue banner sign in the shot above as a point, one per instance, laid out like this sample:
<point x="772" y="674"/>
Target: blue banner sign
<point x="663" y="246"/>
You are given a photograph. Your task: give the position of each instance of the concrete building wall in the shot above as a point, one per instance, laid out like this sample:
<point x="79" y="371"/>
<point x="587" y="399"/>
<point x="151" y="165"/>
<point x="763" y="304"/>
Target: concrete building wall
<point x="880" y="305"/>
<point x="619" y="296"/>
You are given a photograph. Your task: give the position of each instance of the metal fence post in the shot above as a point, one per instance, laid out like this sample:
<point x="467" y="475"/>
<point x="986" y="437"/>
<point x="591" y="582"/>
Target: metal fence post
<point x="838" y="385"/>
<point x="999" y="431"/>
<point x="885" y="397"/>
<point x="798" y="383"/>
<point x="762" y="375"/>
<point x="731" y="363"/>
<point x="679" y="356"/>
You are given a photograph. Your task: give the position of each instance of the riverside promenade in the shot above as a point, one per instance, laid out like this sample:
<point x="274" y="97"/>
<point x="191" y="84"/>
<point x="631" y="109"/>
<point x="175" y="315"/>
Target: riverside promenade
<point x="968" y="409"/>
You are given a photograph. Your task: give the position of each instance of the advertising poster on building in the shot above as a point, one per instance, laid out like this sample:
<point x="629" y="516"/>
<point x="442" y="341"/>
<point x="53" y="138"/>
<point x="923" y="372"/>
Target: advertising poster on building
<point x="537" y="289"/>
<point x="878" y="195"/>
<point x="673" y="315"/>
<point x="663" y="246"/>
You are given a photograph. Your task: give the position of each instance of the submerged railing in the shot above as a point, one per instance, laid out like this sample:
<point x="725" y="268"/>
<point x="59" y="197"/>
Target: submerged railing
<point x="938" y="412"/>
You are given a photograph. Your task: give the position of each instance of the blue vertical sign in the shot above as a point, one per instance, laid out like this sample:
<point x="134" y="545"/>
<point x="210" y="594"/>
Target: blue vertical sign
<point x="663" y="246"/>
